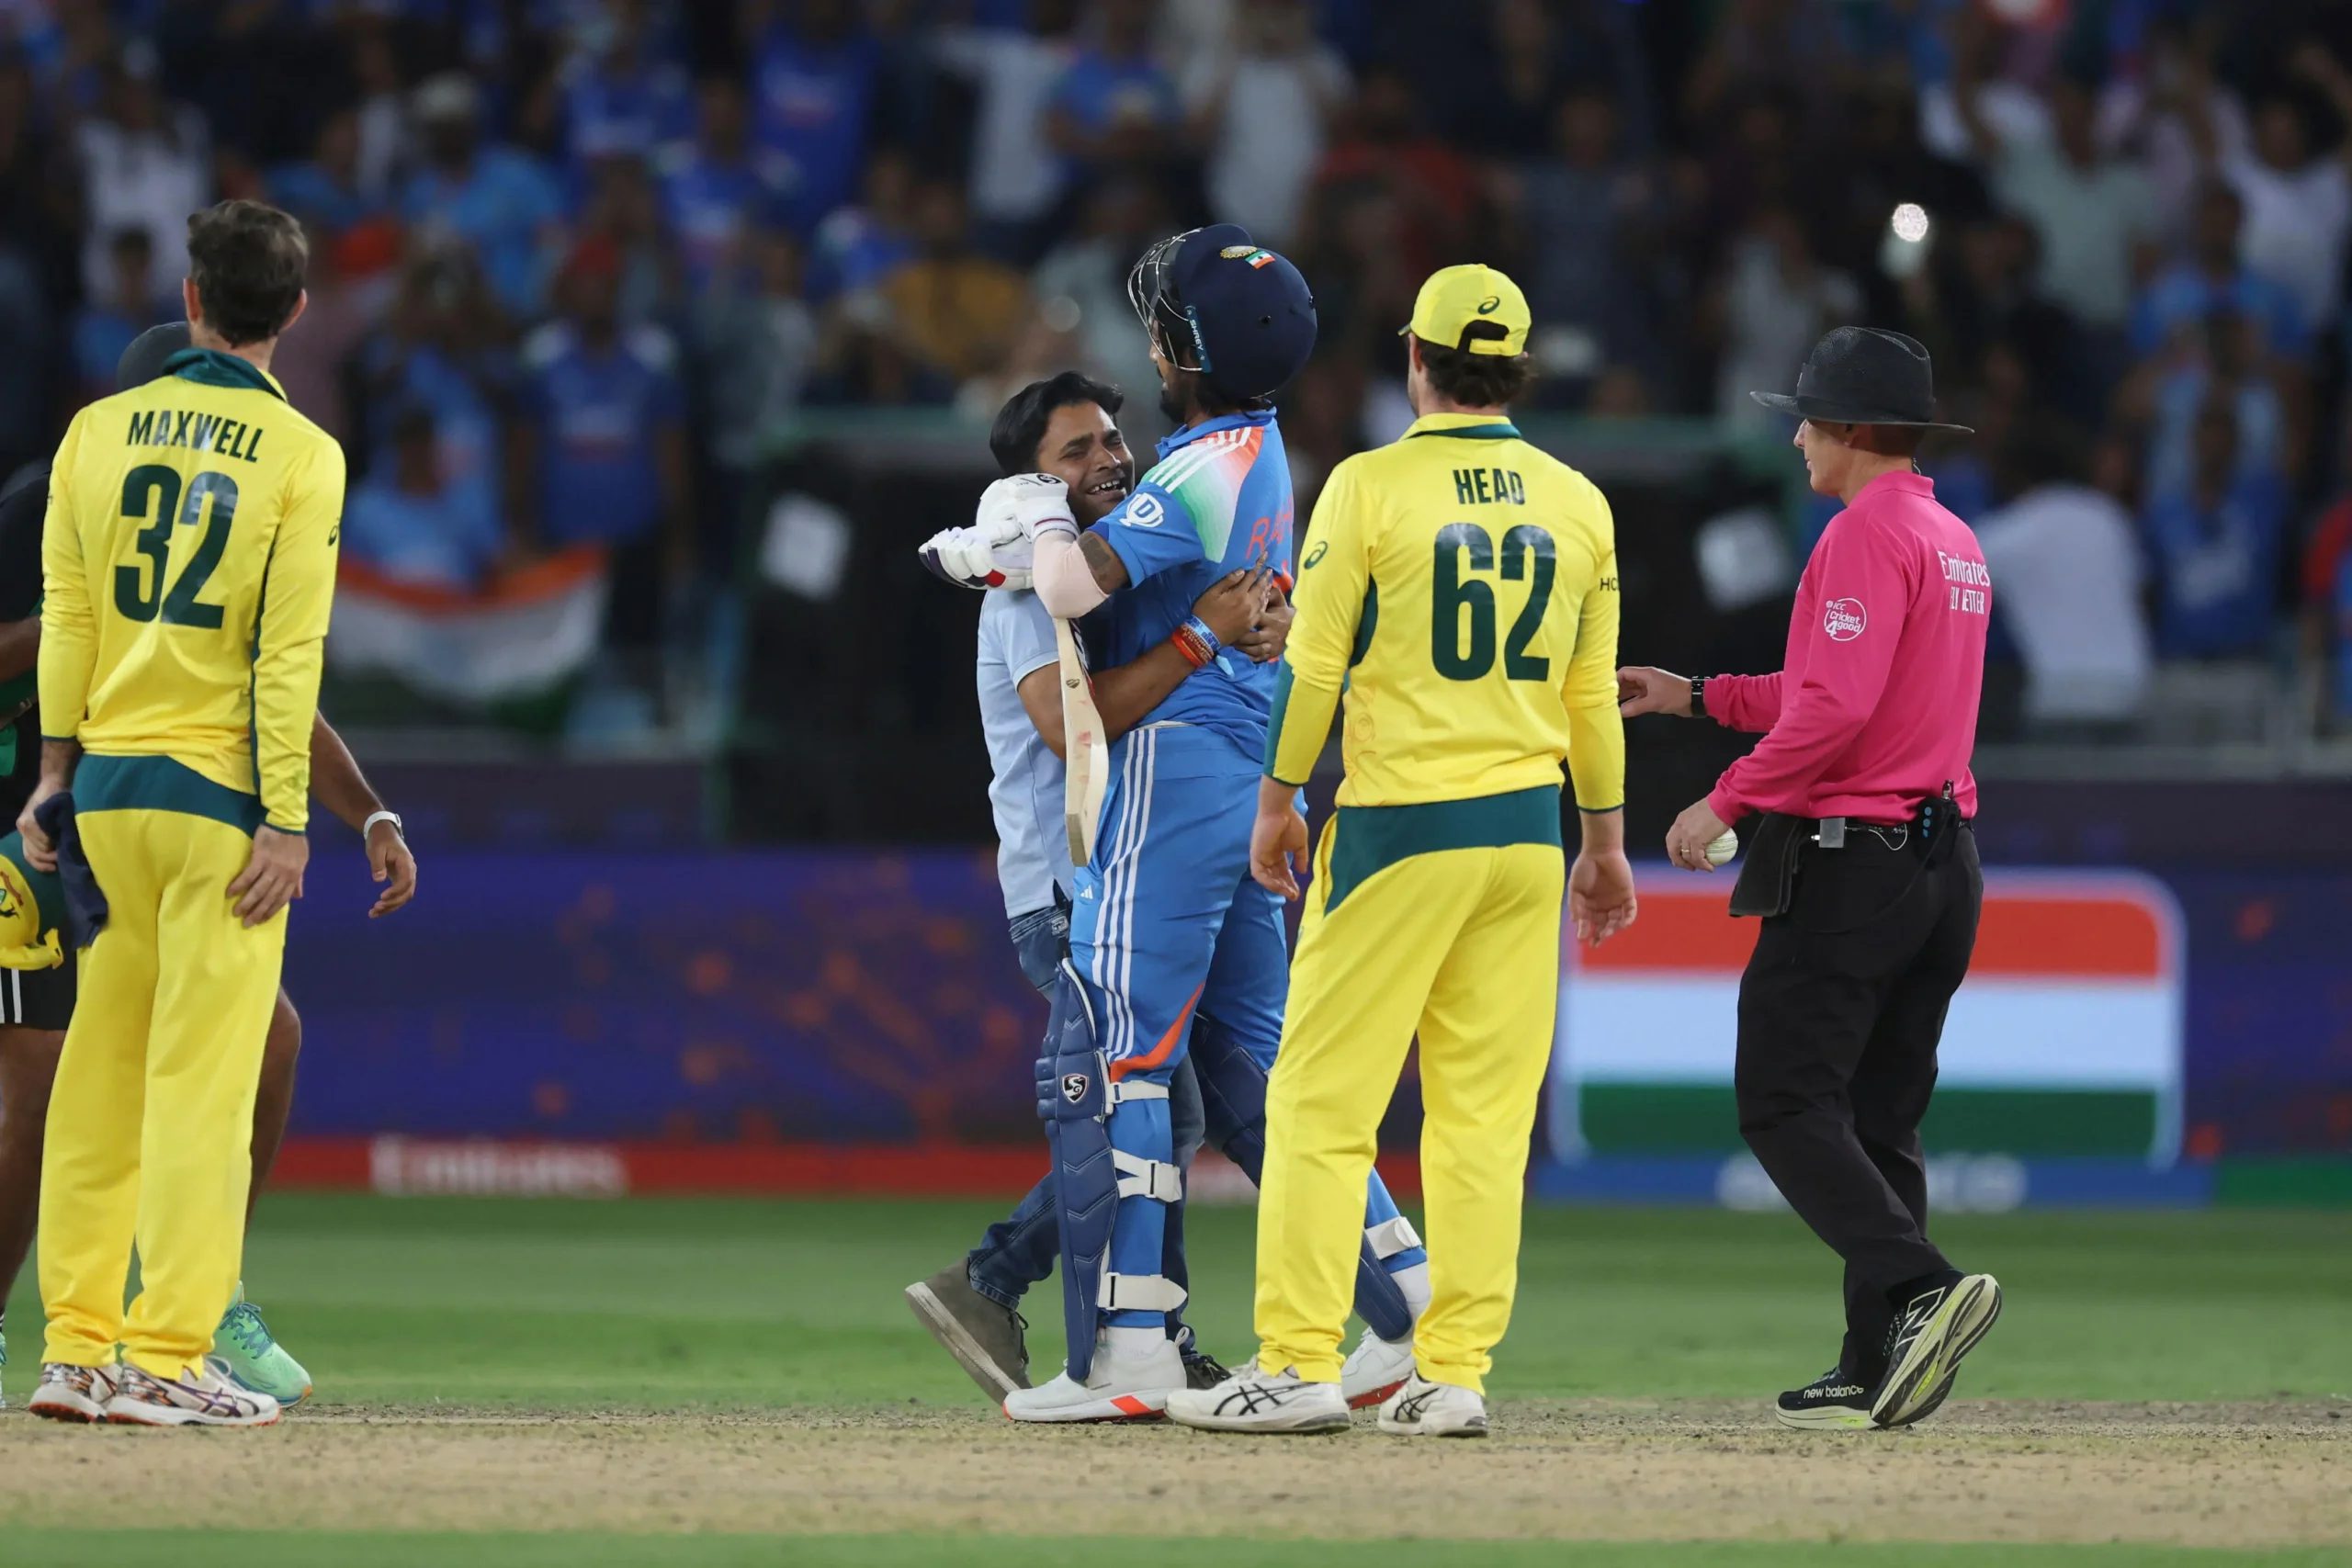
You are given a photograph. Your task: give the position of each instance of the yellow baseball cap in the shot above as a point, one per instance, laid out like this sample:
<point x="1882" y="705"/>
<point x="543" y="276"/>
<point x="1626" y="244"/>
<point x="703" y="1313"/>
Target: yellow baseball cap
<point x="1459" y="307"/>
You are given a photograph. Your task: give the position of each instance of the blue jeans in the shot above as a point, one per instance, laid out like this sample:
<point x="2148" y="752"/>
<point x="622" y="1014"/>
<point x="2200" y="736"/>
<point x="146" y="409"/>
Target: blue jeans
<point x="1020" y="1249"/>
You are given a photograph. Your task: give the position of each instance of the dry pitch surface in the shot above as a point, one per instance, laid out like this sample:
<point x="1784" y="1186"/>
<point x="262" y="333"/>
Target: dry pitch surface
<point x="2237" y="1476"/>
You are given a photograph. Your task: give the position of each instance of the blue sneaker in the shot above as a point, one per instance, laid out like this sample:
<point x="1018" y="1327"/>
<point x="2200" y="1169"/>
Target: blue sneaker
<point x="245" y="1352"/>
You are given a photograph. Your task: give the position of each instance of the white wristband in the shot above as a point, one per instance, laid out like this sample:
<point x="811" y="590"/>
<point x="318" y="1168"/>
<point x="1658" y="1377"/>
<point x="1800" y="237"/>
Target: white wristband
<point x="392" y="816"/>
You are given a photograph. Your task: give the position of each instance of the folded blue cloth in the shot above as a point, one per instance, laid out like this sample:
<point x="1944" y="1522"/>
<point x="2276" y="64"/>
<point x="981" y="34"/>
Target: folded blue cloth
<point x="86" y="903"/>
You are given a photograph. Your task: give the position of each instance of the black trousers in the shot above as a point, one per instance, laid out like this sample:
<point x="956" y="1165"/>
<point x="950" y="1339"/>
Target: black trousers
<point x="1840" y="1013"/>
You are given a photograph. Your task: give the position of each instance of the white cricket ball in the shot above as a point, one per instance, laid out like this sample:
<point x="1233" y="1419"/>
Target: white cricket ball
<point x="1909" y="223"/>
<point x="1721" y="852"/>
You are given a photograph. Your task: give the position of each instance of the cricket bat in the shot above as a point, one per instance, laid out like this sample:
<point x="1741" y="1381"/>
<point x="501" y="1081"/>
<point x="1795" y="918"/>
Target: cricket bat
<point x="1086" y="754"/>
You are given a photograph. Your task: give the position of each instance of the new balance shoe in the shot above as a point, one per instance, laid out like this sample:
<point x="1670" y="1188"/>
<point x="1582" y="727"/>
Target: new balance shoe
<point x="989" y="1340"/>
<point x="245" y="1353"/>
<point x="192" y="1399"/>
<point x="1252" y="1401"/>
<point x="1426" y="1409"/>
<point x="1375" y="1368"/>
<point x="1937" y="1327"/>
<point x="68" y="1392"/>
<point x="1118" y="1388"/>
<point x="1834" y="1401"/>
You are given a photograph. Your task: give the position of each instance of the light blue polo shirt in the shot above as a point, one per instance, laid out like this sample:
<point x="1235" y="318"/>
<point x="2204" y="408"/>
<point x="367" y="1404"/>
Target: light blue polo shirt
<point x="1025" y="792"/>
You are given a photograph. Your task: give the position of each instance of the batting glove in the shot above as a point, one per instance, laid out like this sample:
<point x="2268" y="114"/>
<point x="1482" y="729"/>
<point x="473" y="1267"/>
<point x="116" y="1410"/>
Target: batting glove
<point x="1028" y="504"/>
<point x="965" y="558"/>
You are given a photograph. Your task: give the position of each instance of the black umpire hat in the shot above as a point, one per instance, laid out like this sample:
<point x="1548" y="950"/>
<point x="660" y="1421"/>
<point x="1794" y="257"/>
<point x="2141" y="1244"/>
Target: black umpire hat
<point x="149" y="352"/>
<point x="1864" y="376"/>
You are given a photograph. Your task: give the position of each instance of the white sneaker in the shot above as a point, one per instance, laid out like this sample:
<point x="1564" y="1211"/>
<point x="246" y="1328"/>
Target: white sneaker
<point x="1252" y="1401"/>
<point x="1375" y="1368"/>
<point x="194" y="1399"/>
<point x="1426" y="1409"/>
<point x="68" y="1392"/>
<point x="1118" y="1388"/>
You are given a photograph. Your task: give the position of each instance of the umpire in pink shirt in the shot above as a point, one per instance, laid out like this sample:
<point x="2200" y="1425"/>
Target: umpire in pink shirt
<point x="1863" y="868"/>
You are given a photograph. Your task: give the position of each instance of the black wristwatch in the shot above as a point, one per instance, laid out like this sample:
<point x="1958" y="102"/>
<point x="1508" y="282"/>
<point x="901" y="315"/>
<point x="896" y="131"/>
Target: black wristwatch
<point x="1698" y="696"/>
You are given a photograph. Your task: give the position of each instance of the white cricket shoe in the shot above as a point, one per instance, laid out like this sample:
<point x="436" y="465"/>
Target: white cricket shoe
<point x="1118" y="1388"/>
<point x="193" y="1399"/>
<point x="1252" y="1401"/>
<point x="1426" y="1409"/>
<point x="1375" y="1368"/>
<point x="68" y="1392"/>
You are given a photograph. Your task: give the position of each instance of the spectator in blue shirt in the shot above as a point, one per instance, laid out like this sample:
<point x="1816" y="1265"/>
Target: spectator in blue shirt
<point x="102" y="330"/>
<point x="439" y="354"/>
<point x="2210" y="280"/>
<point x="406" y="522"/>
<point x="720" y="194"/>
<point x="813" y="84"/>
<point x="497" y="199"/>
<point x="1115" y="105"/>
<point x="604" y="425"/>
<point x="323" y="190"/>
<point x="624" y="102"/>
<point x="860" y="244"/>
<point x="2214" y="546"/>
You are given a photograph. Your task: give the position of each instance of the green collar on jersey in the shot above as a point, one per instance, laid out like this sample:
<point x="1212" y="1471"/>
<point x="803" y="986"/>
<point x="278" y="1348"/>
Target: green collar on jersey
<point x="210" y="368"/>
<point x="1495" y="430"/>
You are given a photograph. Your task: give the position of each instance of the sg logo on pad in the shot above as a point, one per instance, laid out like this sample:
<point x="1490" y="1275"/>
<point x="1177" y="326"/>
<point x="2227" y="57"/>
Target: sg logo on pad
<point x="1074" y="1087"/>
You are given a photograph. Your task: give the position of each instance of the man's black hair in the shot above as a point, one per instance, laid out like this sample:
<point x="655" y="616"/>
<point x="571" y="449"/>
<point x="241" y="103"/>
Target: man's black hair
<point x="1020" y="425"/>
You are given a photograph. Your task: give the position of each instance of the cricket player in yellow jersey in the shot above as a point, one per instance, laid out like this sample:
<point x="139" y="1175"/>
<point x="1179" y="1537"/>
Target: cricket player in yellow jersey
<point x="189" y="566"/>
<point x="1459" y="595"/>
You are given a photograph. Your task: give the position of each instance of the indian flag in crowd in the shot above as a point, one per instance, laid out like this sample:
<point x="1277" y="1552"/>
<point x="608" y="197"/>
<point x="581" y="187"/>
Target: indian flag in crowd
<point x="524" y="633"/>
<point x="2065" y="1041"/>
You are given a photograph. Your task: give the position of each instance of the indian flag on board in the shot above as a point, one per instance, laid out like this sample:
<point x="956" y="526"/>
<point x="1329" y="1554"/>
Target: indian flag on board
<point x="2065" y="1041"/>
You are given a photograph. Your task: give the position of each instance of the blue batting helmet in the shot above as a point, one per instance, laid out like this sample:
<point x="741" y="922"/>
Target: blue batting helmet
<point x="1215" y="301"/>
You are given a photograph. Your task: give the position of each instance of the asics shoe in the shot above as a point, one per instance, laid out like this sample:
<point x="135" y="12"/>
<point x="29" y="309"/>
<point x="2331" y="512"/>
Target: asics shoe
<point x="989" y="1340"/>
<point x="1426" y="1409"/>
<point x="245" y="1352"/>
<point x="1252" y="1401"/>
<point x="192" y="1399"/>
<point x="1118" y="1388"/>
<point x="68" y="1392"/>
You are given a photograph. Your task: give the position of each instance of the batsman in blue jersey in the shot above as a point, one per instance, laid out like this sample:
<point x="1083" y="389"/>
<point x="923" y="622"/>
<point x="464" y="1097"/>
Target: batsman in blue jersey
<point x="1167" y="926"/>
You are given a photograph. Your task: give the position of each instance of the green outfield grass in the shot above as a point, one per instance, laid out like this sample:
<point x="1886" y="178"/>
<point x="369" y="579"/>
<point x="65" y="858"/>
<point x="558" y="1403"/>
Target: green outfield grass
<point x="733" y="1305"/>
<point x="292" y="1548"/>
<point x="661" y="1305"/>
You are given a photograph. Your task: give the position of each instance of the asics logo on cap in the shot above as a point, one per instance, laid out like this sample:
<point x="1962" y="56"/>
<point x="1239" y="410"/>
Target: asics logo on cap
<point x="1490" y="304"/>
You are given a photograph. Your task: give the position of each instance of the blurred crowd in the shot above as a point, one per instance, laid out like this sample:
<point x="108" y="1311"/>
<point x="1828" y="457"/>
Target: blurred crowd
<point x="573" y="257"/>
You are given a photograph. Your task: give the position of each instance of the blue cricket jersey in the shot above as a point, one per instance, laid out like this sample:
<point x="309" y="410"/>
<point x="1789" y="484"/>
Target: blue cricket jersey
<point x="1218" y="499"/>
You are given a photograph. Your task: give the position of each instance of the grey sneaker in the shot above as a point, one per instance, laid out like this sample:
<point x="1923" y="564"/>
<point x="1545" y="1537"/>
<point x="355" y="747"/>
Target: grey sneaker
<point x="988" y="1340"/>
<point x="68" y="1392"/>
<point x="192" y="1399"/>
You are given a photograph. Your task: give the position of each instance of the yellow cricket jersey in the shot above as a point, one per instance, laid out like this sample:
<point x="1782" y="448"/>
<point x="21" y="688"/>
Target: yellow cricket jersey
<point x="1460" y="587"/>
<point x="188" y="568"/>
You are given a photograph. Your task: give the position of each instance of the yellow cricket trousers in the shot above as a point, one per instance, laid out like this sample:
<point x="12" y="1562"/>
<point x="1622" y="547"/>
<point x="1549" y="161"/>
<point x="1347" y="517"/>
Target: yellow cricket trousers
<point x="1444" y="919"/>
<point x="151" y="1121"/>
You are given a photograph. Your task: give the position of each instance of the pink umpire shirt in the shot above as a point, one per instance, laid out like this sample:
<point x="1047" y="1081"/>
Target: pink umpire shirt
<point x="1875" y="707"/>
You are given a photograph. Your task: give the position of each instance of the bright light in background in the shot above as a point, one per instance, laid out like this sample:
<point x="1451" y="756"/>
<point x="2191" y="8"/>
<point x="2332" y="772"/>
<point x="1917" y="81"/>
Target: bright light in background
<point x="1910" y="222"/>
